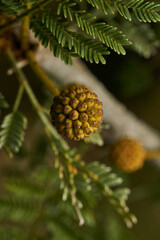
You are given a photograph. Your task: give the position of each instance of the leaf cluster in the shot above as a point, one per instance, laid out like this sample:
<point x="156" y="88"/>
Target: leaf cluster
<point x="81" y="34"/>
<point x="34" y="201"/>
<point x="144" y="11"/>
<point x="12" y="132"/>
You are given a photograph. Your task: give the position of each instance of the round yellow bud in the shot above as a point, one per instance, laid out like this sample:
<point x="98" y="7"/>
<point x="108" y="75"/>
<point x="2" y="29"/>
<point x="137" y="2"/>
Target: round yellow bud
<point x="127" y="154"/>
<point x="76" y="112"/>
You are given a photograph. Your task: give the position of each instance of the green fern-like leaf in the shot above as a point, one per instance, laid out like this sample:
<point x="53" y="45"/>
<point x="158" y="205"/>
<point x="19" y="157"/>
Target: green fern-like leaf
<point x="104" y="179"/>
<point x="59" y="229"/>
<point x="95" y="138"/>
<point x="17" y="209"/>
<point x="101" y="4"/>
<point x="143" y="37"/>
<point x="46" y="176"/>
<point x="46" y="38"/>
<point x="83" y="184"/>
<point x="12" y="7"/>
<point x="32" y="1"/>
<point x="3" y="103"/>
<point x="123" y="10"/>
<point x="12" y="133"/>
<point x="89" y="49"/>
<point x="106" y="33"/>
<point x="144" y="11"/>
<point x="122" y="194"/>
<point x="11" y="233"/>
<point x="26" y="189"/>
<point x="85" y="47"/>
<point x="66" y="7"/>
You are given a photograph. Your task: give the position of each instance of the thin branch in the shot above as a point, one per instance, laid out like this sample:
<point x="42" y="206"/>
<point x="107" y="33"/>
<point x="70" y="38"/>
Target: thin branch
<point x="154" y="154"/>
<point x="25" y="31"/>
<point x="18" y="98"/>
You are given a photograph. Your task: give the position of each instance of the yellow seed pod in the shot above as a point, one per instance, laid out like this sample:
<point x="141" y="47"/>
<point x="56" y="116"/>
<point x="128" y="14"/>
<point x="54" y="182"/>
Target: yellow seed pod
<point x="74" y="85"/>
<point x="127" y="154"/>
<point x="76" y="112"/>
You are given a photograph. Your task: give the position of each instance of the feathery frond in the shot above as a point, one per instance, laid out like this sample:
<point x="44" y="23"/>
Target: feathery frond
<point x="47" y="38"/>
<point x="96" y="178"/>
<point x="11" y="233"/>
<point x="143" y="11"/>
<point x="95" y="138"/>
<point x="104" y="179"/>
<point x="26" y="189"/>
<point x="144" y="46"/>
<point x="12" y="7"/>
<point x="32" y="1"/>
<point x="106" y="33"/>
<point x="85" y="47"/>
<point x="12" y="133"/>
<point x="17" y="209"/>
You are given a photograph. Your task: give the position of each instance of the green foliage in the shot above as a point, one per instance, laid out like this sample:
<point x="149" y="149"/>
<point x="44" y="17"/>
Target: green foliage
<point x="106" y="33"/>
<point x="12" y="133"/>
<point x="11" y="7"/>
<point x="105" y="180"/>
<point x="95" y="138"/>
<point x="25" y="189"/>
<point x="32" y="1"/>
<point x="11" y="233"/>
<point x="46" y="38"/>
<point x="144" y="46"/>
<point x="17" y="209"/>
<point x="35" y="198"/>
<point x="71" y="41"/>
<point x="143" y="11"/>
<point x="54" y="31"/>
<point x="89" y="49"/>
<point x="15" y="7"/>
<point x="3" y="103"/>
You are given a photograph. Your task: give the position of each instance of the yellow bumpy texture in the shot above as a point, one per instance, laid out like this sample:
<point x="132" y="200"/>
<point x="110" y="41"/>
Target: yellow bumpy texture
<point x="76" y="112"/>
<point x="127" y="154"/>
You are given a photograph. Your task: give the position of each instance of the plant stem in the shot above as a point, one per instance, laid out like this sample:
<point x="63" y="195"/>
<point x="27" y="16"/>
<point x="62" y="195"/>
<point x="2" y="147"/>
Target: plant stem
<point x="26" y="13"/>
<point x="153" y="154"/>
<point x="60" y="142"/>
<point x="18" y="98"/>
<point x="25" y="31"/>
<point x="41" y="74"/>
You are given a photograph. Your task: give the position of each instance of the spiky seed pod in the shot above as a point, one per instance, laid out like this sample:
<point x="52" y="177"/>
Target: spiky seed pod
<point x="76" y="112"/>
<point x="127" y="154"/>
<point x="75" y="85"/>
